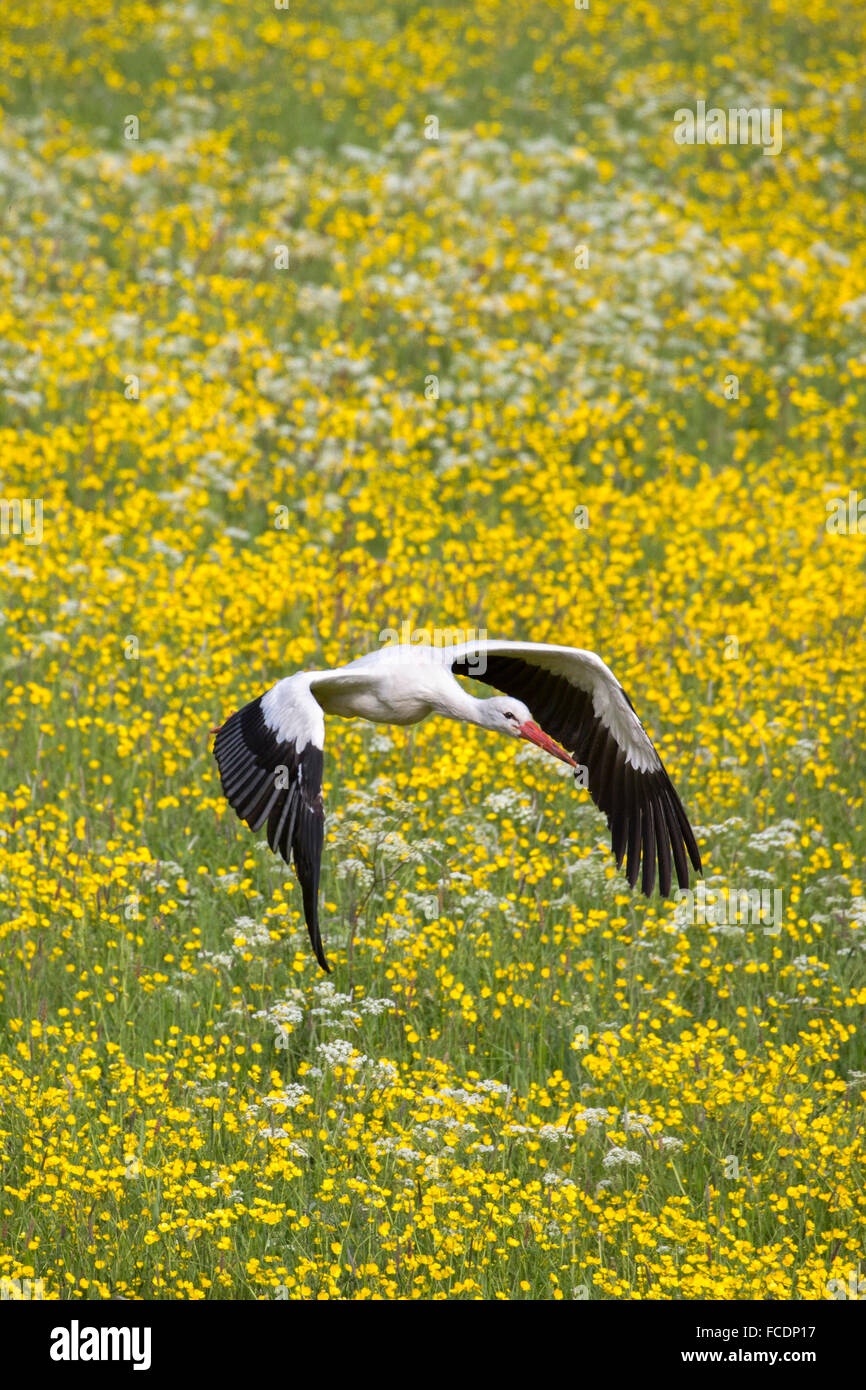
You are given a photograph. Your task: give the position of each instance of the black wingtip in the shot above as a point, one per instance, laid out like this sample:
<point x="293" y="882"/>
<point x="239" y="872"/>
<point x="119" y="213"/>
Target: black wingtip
<point x="648" y="842"/>
<point x="650" y="829"/>
<point x="691" y="843"/>
<point x="319" y="950"/>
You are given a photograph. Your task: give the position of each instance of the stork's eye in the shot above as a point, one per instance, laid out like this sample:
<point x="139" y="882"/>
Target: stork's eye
<point x="509" y="714"/>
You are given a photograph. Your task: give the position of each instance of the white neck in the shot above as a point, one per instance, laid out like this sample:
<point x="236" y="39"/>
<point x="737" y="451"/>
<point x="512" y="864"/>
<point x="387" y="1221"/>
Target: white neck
<point x="457" y="703"/>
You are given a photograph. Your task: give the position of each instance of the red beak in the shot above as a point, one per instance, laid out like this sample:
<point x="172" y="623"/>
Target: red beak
<point x="534" y="734"/>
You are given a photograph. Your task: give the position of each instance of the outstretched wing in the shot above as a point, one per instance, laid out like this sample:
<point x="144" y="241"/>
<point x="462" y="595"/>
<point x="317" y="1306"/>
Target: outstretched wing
<point x="270" y="756"/>
<point x="578" y="700"/>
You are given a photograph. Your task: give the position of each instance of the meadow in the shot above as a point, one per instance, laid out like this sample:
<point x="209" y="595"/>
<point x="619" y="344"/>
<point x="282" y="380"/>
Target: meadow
<point x="317" y="321"/>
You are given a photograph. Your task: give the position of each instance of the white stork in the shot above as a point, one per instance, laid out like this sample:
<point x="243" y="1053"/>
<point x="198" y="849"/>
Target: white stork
<point x="270" y="753"/>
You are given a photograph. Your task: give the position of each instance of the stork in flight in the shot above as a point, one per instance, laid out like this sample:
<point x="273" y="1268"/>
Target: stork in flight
<point x="270" y="753"/>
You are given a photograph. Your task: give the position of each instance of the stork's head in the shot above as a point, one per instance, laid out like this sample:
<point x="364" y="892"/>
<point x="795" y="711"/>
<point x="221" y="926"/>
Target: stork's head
<point x="510" y="716"/>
